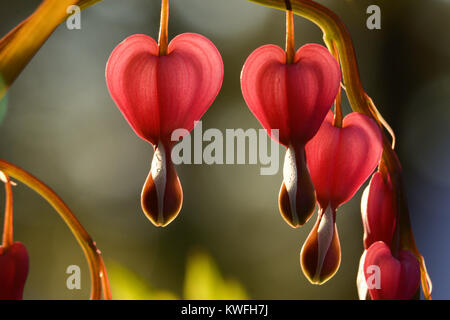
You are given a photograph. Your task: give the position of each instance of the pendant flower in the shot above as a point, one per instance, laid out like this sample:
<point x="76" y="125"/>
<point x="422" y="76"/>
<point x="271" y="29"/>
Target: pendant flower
<point x="13" y="271"/>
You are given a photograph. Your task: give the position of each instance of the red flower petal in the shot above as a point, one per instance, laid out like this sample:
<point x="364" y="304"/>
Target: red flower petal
<point x="293" y="98"/>
<point x="399" y="277"/>
<point x="158" y="94"/>
<point x="377" y="209"/>
<point x="341" y="159"/>
<point x="13" y="271"/>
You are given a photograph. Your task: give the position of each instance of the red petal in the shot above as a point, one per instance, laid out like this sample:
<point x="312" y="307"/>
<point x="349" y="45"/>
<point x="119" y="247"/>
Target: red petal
<point x="13" y="271"/>
<point x="293" y="98"/>
<point x="377" y="210"/>
<point x="399" y="278"/>
<point x="160" y="94"/>
<point x="341" y="159"/>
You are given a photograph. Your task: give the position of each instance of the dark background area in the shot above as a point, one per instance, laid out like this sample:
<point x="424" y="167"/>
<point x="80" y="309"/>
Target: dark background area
<point x="62" y="126"/>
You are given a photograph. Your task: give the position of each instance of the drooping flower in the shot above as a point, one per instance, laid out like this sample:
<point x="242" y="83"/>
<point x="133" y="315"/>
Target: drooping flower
<point x="159" y="89"/>
<point x="340" y="159"/>
<point x="398" y="277"/>
<point x="377" y="209"/>
<point x="293" y="98"/>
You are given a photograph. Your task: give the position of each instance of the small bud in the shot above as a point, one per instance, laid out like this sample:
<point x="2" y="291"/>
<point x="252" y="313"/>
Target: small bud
<point x="321" y="253"/>
<point x="377" y="209"/>
<point x="13" y="271"/>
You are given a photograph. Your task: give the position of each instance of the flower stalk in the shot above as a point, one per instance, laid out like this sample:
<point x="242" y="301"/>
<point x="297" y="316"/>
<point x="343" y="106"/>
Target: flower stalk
<point x="99" y="278"/>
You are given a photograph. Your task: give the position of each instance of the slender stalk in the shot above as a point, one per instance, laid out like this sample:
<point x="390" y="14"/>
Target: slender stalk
<point x="337" y="121"/>
<point x="290" y="37"/>
<point x="334" y="31"/>
<point x="105" y="282"/>
<point x="8" y="224"/>
<point x="91" y="252"/>
<point x="163" y="40"/>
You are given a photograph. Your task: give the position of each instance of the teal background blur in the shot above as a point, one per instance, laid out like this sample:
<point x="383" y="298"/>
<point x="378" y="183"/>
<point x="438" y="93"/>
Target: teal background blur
<point x="62" y="126"/>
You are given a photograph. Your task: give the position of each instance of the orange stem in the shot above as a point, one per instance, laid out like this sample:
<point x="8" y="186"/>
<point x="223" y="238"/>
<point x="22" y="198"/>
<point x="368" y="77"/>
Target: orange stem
<point x="163" y="40"/>
<point x="8" y="224"/>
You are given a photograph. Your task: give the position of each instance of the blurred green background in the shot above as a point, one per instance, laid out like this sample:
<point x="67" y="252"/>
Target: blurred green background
<point x="62" y="126"/>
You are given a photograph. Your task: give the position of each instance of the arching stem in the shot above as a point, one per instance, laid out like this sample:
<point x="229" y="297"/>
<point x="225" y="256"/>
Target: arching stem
<point x="334" y="31"/>
<point x="8" y="223"/>
<point x="95" y="261"/>
<point x="163" y="40"/>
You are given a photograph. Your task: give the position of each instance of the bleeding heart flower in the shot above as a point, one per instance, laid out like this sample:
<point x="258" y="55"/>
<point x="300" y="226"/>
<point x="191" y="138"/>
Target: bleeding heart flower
<point x="399" y="278"/>
<point x="158" y="94"/>
<point x="377" y="210"/>
<point x="13" y="271"/>
<point x="293" y="98"/>
<point x="340" y="160"/>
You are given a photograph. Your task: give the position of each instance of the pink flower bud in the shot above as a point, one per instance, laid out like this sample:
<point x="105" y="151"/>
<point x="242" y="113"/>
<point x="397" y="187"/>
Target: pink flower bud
<point x="293" y="98"/>
<point x="321" y="253"/>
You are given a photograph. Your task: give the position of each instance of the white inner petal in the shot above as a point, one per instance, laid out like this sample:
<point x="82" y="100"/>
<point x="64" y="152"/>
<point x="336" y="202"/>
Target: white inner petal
<point x="324" y="237"/>
<point x="159" y="176"/>
<point x="290" y="181"/>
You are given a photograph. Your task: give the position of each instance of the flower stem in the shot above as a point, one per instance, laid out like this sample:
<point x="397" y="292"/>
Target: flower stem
<point x="290" y="38"/>
<point x="8" y="224"/>
<point x="334" y="31"/>
<point x="95" y="261"/>
<point x="337" y="121"/>
<point x="163" y="40"/>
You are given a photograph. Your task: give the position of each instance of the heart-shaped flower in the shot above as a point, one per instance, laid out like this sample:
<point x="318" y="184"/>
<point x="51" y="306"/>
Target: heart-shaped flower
<point x="340" y="159"/>
<point x="377" y="209"/>
<point x="158" y="94"/>
<point x="294" y="99"/>
<point x="388" y="277"/>
<point x="13" y="271"/>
